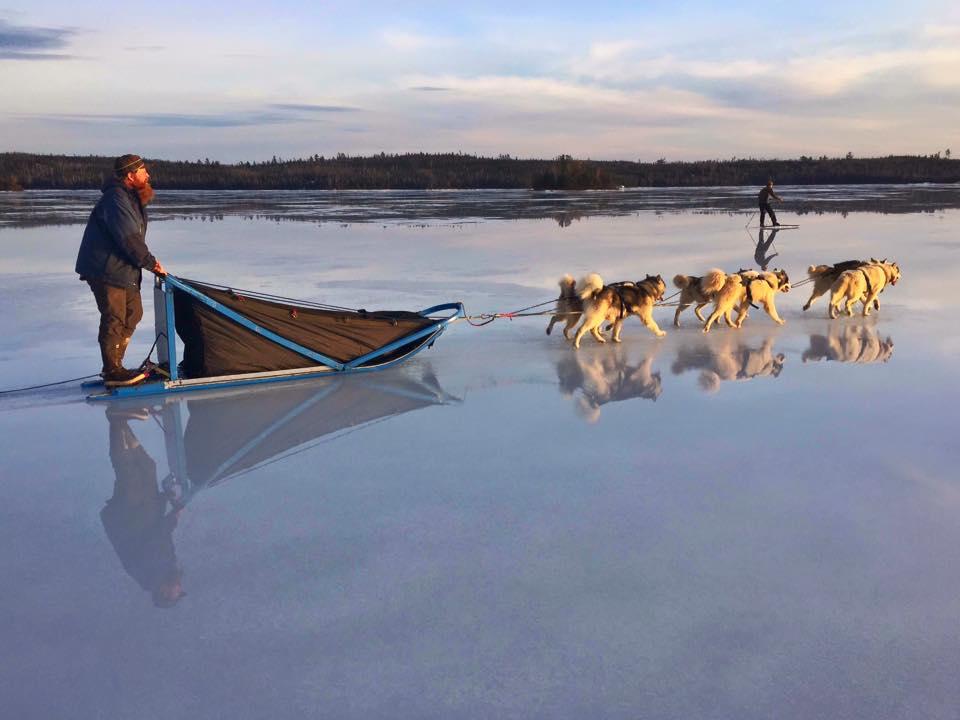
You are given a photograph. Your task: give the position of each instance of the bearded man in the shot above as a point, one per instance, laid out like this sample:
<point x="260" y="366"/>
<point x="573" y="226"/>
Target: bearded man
<point x="112" y="255"/>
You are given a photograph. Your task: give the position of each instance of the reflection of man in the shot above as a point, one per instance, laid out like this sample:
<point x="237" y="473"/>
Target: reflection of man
<point x="136" y="518"/>
<point x="763" y="247"/>
<point x="764" y="199"/>
<point x="112" y="255"/>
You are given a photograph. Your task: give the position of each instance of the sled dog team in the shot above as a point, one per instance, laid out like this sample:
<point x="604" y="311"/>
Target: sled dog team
<point x="595" y="305"/>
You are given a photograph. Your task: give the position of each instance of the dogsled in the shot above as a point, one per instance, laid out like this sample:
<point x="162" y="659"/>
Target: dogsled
<point x="233" y="337"/>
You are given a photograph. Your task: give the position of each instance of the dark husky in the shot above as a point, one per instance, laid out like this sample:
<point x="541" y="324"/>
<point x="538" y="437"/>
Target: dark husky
<point x="614" y="303"/>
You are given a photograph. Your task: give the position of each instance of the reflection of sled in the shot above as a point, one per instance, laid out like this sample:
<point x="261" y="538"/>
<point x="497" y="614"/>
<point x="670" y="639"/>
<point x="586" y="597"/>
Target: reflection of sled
<point x="241" y="338"/>
<point x="224" y="433"/>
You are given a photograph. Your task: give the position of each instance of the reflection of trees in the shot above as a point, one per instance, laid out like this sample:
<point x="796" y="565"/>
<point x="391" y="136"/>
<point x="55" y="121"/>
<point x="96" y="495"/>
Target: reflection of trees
<point x="66" y="207"/>
<point x="849" y="342"/>
<point x="606" y="375"/>
<point x="728" y="357"/>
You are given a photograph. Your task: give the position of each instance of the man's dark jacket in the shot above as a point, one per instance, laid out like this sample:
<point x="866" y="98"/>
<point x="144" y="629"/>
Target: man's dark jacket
<point x="113" y="248"/>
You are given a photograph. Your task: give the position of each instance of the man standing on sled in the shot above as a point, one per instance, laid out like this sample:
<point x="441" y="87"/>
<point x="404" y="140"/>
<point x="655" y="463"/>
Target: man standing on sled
<point x="112" y="255"/>
<point x="764" y="198"/>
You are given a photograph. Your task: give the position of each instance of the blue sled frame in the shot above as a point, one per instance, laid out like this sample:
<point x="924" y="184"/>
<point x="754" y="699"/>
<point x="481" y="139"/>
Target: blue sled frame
<point x="166" y="333"/>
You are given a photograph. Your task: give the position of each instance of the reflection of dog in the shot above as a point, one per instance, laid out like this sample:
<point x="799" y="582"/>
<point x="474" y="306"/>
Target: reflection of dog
<point x="824" y="276"/>
<point x="569" y="306"/>
<point x="747" y="288"/>
<point x="849" y="343"/>
<point x="862" y="284"/>
<point x="730" y="359"/>
<point x="699" y="290"/>
<point x="614" y="303"/>
<point x="606" y="377"/>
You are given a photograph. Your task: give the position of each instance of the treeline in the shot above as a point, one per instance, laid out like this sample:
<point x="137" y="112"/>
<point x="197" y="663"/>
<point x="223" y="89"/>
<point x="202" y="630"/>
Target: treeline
<point x="422" y="171"/>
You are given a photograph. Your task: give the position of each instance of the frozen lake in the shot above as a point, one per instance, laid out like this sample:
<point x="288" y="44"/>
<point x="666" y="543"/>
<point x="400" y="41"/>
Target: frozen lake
<point x="749" y="524"/>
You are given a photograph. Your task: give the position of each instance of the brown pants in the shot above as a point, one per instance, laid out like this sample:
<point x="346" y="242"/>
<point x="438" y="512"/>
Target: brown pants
<point x="120" y="311"/>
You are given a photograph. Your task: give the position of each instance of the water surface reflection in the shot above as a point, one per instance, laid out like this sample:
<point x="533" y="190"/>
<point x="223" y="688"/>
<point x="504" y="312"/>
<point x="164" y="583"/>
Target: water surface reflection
<point x="212" y="437"/>
<point x="854" y="342"/>
<point x="605" y="375"/>
<point x="729" y="357"/>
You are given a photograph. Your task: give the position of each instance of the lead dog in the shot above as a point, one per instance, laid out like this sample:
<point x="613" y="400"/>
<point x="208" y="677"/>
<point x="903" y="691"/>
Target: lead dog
<point x="614" y="303"/>
<point x="569" y="306"/>
<point x="824" y="276"/>
<point x="700" y="290"/>
<point x="862" y="284"/>
<point x="746" y="288"/>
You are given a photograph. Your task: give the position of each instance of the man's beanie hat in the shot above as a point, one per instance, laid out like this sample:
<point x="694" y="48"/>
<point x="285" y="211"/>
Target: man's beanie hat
<point x="127" y="164"/>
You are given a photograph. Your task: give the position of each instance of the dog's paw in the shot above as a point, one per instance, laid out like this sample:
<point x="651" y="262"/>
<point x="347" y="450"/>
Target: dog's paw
<point x="661" y="334"/>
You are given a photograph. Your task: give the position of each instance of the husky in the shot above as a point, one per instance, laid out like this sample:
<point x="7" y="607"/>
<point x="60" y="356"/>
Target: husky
<point x="862" y="284"/>
<point x="700" y="290"/>
<point x="824" y="276"/>
<point x="745" y="288"/>
<point x="569" y="306"/>
<point x="614" y="303"/>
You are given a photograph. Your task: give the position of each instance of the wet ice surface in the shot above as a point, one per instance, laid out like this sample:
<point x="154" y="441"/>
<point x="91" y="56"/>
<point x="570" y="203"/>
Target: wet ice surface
<point x="746" y="524"/>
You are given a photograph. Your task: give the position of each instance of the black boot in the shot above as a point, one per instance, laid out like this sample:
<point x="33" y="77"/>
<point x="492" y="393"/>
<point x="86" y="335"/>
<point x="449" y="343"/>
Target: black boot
<point x="114" y="373"/>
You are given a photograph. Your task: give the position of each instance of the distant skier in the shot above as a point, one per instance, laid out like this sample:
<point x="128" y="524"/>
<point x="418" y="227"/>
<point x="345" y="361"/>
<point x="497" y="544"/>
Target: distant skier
<point x="764" y="199"/>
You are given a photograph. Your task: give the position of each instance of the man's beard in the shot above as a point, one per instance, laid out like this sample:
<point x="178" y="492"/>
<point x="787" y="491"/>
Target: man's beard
<point x="145" y="192"/>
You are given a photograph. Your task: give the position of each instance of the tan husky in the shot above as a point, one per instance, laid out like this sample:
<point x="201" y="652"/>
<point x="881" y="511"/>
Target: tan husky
<point x="746" y="288"/>
<point x="862" y="284"/>
<point x="700" y="290"/>
<point x="824" y="276"/>
<point x="615" y="303"/>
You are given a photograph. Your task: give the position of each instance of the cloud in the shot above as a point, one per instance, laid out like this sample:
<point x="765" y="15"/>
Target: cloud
<point x="274" y="114"/>
<point x="306" y="107"/>
<point x="222" y="120"/>
<point x="21" y="42"/>
<point x="429" y="88"/>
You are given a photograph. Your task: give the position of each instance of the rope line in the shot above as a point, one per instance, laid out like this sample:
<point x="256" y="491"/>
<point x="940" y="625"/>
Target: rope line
<point x="46" y="385"/>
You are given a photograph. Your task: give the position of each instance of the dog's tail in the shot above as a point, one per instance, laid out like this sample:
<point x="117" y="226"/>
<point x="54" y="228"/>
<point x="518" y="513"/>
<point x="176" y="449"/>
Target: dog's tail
<point x="713" y="281"/>
<point x="683" y="281"/>
<point x="567" y="285"/>
<point x="815" y="271"/>
<point x="589" y="286"/>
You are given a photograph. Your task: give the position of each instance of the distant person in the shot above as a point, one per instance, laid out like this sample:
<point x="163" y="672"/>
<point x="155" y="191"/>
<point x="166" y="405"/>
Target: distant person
<point x="112" y="255"/>
<point x="763" y="247"/>
<point x="764" y="198"/>
<point x="136" y="518"/>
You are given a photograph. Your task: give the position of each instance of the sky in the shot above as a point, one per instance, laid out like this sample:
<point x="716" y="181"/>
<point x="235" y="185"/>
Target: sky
<point x="603" y="80"/>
